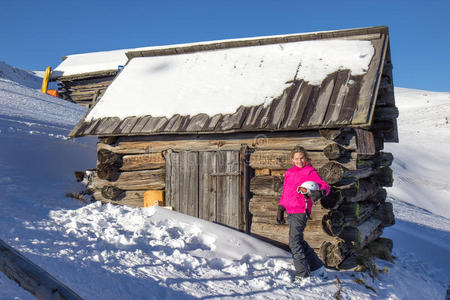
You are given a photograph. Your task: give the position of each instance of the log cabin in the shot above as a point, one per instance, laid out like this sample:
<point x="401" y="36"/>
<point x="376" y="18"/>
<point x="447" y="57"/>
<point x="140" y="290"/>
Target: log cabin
<point x="211" y="126"/>
<point x="83" y="78"/>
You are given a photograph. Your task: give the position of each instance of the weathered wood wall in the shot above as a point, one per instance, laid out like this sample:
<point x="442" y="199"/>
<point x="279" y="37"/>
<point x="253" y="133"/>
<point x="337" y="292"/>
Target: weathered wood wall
<point x="128" y="166"/>
<point x="84" y="91"/>
<point x="352" y="216"/>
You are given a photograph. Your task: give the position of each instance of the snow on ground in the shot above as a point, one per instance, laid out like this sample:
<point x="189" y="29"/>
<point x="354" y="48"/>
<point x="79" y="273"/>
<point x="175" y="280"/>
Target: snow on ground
<point x="421" y="191"/>
<point x="422" y="163"/>
<point x="106" y="251"/>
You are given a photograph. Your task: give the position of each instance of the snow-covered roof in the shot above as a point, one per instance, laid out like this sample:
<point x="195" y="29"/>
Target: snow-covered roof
<point x="93" y="64"/>
<point x="104" y="63"/>
<point x="273" y="83"/>
<point x="88" y="63"/>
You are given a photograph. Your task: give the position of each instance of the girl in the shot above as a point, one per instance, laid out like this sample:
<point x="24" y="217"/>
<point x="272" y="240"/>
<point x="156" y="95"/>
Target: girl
<point x="298" y="208"/>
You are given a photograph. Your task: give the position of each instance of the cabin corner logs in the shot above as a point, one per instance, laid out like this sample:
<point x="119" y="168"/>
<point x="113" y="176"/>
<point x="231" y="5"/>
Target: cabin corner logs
<point x="238" y="182"/>
<point x="355" y="212"/>
<point x="85" y="89"/>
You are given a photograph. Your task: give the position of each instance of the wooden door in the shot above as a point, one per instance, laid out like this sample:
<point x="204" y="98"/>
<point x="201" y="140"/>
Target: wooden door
<point x="206" y="185"/>
<point x="228" y="180"/>
<point x="182" y="182"/>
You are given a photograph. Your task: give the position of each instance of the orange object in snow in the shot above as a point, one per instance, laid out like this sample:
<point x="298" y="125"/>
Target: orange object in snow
<point x="153" y="197"/>
<point x="53" y="93"/>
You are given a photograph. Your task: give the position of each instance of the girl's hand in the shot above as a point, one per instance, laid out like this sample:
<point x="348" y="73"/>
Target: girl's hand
<point x="316" y="195"/>
<point x="280" y="215"/>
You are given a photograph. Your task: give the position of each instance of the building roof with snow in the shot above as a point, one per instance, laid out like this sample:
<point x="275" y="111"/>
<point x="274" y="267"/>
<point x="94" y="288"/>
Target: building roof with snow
<point x="280" y="83"/>
<point x="93" y="64"/>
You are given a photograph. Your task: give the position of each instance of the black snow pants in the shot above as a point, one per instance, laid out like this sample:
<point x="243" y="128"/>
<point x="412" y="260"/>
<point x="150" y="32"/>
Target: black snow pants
<point x="305" y="259"/>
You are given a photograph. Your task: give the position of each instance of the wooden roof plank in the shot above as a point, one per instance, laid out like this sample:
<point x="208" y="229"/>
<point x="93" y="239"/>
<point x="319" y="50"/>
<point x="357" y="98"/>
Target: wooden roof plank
<point x="126" y="125"/>
<point x="173" y="122"/>
<point x="310" y="106"/>
<point x="183" y="122"/>
<point x="155" y="124"/>
<point x="212" y="122"/>
<point x="263" y="119"/>
<point x="103" y="123"/>
<point x="337" y="97"/>
<point x="177" y="123"/>
<point x="351" y="99"/>
<point x="79" y="129"/>
<point x="250" y="120"/>
<point x="272" y="107"/>
<point x="323" y="101"/>
<point x="280" y="110"/>
<point x="300" y="90"/>
<point x="107" y="125"/>
<point x="233" y="121"/>
<point x="197" y="122"/>
<point x="87" y="75"/>
<point x="91" y="127"/>
<point x="140" y="124"/>
<point x="369" y="88"/>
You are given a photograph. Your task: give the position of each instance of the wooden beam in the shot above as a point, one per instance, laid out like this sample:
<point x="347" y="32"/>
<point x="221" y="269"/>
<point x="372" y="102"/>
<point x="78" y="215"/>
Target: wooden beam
<point x="136" y="180"/>
<point x="365" y="143"/>
<point x="260" y="141"/>
<point x="87" y="75"/>
<point x="31" y="277"/>
<point x="143" y="162"/>
<point x="364" y="233"/>
<point x="129" y="198"/>
<point x="357" y="33"/>
<point x="334" y="173"/>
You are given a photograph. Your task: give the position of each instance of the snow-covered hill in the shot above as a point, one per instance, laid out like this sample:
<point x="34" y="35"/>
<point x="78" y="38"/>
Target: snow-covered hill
<point x="105" y="251"/>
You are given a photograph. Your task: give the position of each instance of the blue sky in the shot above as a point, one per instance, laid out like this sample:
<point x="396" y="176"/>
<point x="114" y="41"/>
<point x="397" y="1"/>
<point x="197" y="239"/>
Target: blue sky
<point x="36" y="34"/>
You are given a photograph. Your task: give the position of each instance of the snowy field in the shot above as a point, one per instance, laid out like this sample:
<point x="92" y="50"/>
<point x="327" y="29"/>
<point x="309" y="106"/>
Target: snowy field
<point x="105" y="251"/>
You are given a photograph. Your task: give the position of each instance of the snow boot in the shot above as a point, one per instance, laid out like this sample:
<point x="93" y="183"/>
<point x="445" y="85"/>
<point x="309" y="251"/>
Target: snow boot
<point x="320" y="273"/>
<point x="301" y="281"/>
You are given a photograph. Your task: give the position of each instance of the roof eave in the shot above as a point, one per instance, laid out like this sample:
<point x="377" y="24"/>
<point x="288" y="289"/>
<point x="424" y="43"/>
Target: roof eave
<point x="357" y="33"/>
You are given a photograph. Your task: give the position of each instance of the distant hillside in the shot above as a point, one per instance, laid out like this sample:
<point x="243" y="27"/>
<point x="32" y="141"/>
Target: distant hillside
<point x="23" y="77"/>
<point x="24" y="107"/>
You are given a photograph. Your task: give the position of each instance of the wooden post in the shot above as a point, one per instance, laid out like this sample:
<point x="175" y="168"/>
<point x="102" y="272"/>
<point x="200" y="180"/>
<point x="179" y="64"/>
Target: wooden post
<point x="32" y="277"/>
<point x="45" y="80"/>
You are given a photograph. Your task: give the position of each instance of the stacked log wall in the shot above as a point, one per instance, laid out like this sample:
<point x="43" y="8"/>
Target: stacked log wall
<point x="123" y="178"/>
<point x="128" y="166"/>
<point x="85" y="92"/>
<point x="353" y="215"/>
<point x="384" y="120"/>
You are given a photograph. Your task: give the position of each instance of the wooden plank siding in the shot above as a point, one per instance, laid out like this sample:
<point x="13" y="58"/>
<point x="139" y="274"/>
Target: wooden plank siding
<point x="206" y="185"/>
<point x="364" y="108"/>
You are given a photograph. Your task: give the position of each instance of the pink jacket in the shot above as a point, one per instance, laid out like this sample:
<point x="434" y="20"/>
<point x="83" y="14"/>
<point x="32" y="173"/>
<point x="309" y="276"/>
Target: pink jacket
<point x="295" y="176"/>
